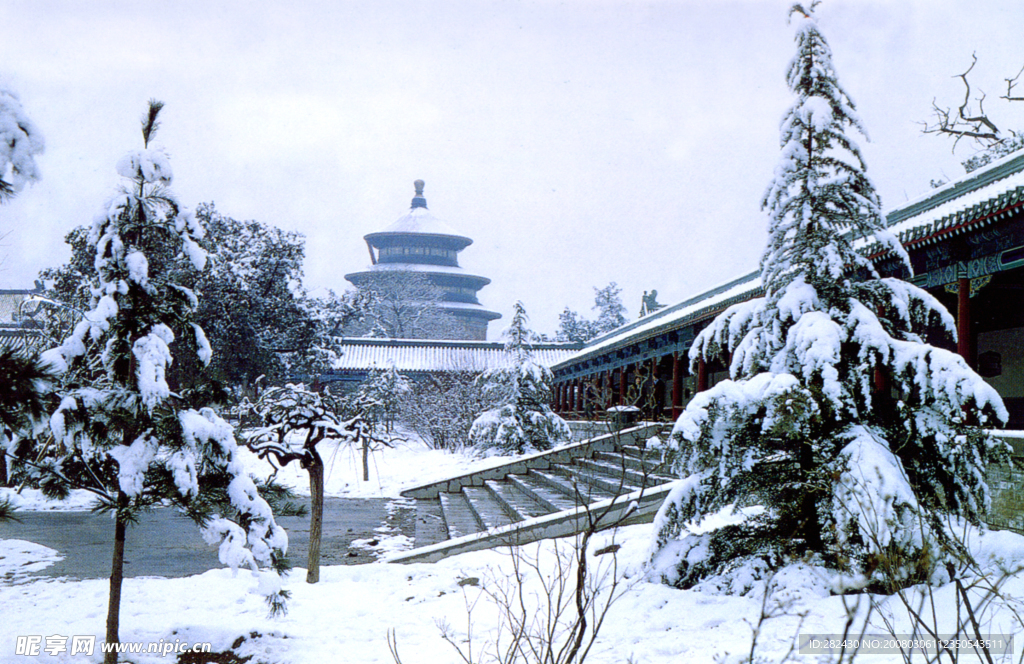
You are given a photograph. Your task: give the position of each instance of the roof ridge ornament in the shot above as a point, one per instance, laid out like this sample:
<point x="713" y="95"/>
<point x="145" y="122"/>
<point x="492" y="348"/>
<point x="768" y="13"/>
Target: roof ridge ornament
<point x="419" y="200"/>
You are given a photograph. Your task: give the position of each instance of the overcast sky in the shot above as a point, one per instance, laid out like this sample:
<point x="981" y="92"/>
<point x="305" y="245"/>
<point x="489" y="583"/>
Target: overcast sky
<point x="577" y="142"/>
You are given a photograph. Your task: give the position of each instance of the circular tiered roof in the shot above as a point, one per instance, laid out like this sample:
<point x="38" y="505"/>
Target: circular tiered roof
<point x="420" y="243"/>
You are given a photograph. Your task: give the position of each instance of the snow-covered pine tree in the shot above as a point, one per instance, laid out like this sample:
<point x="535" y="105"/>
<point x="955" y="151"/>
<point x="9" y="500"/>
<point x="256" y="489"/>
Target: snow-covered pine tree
<point x="611" y="313"/>
<point x="833" y="469"/>
<point x="521" y="420"/>
<point x="251" y="303"/>
<point x="20" y="142"/>
<point x="121" y="430"/>
<point x="293" y="421"/>
<point x="24" y="382"/>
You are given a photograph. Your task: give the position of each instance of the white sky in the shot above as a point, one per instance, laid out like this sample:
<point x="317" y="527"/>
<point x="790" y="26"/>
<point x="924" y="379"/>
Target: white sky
<point x="577" y="142"/>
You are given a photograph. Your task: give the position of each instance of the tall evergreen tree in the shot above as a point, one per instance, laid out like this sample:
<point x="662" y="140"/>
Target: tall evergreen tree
<point x="521" y="421"/>
<point x="120" y="430"/>
<point x="846" y="477"/>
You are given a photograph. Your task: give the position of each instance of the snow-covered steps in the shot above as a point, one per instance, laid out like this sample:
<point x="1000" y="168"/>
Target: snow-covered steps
<point x="608" y="479"/>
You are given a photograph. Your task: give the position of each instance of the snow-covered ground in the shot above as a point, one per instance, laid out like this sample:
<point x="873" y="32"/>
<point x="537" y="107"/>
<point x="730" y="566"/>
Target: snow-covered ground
<point x="408" y="463"/>
<point x="347" y="616"/>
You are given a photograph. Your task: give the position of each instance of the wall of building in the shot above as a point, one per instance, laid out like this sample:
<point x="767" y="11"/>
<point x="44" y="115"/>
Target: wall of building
<point x="1007" y="486"/>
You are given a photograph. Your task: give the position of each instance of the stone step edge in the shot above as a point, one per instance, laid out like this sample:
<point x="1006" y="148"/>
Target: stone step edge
<point x="557" y="524"/>
<point x="541" y="460"/>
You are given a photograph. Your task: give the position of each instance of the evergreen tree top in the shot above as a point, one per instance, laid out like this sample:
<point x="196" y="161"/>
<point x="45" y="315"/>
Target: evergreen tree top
<point x="820" y="200"/>
<point x="518" y="336"/>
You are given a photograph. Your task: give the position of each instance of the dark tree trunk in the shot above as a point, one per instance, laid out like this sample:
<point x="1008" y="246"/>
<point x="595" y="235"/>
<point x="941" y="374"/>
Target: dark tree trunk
<point x="366" y="460"/>
<point x="809" y="503"/>
<point x="3" y="464"/>
<point x="316" y="515"/>
<point x="116" y="576"/>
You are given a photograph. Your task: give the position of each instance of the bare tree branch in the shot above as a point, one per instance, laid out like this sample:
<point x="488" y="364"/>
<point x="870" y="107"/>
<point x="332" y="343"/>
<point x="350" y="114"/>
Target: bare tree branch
<point x="1011" y="83"/>
<point x="965" y="124"/>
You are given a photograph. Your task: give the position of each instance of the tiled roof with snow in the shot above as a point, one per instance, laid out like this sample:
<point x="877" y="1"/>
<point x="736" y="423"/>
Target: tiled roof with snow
<point x="409" y="355"/>
<point x="676" y="316"/>
<point x="424" y="267"/>
<point x="984" y="196"/>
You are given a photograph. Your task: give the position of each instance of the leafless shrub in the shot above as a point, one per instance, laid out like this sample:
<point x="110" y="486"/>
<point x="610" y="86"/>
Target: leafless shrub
<point x="442" y="408"/>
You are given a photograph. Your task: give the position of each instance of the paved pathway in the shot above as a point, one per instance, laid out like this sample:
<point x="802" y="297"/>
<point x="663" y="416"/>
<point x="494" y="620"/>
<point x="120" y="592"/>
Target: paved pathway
<point x="164" y="543"/>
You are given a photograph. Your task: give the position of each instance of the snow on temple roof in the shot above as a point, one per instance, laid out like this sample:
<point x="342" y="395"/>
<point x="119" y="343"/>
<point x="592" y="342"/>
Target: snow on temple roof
<point x="423" y="267"/>
<point x="421" y="220"/>
<point x="701" y="306"/>
<point x="413" y="355"/>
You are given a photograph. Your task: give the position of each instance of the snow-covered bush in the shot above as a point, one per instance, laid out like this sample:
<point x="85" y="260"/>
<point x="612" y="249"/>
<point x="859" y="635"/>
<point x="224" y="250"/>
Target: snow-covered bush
<point x="380" y="395"/>
<point x="521" y="420"/>
<point x="845" y="473"/>
<point x="121" y="428"/>
<point x="20" y="142"/>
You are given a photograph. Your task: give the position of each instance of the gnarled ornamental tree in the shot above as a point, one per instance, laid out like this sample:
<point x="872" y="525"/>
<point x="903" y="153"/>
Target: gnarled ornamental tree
<point x="834" y="471"/>
<point x="293" y="421"/>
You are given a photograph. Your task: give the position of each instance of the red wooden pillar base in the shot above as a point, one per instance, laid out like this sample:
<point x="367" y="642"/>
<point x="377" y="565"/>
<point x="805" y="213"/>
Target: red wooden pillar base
<point x="702" y="376"/>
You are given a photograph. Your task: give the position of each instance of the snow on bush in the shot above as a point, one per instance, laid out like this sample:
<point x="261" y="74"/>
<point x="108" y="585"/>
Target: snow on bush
<point x="521" y="421"/>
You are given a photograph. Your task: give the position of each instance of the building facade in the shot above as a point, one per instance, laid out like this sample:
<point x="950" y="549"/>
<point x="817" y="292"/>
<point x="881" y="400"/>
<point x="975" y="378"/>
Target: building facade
<point x="966" y="245"/>
<point x="22" y="319"/>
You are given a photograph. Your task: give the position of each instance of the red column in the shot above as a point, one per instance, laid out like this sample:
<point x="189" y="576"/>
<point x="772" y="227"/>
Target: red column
<point x="702" y="376"/>
<point x="659" y="406"/>
<point x="623" y="387"/>
<point x="964" y="345"/>
<point x="677" y="385"/>
<point x="610" y="387"/>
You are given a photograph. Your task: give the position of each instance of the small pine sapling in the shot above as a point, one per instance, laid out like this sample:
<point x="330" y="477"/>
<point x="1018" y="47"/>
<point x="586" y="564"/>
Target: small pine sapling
<point x="521" y="420"/>
<point x="380" y="394"/>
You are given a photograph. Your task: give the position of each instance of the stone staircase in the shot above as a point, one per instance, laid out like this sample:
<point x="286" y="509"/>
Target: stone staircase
<point x="608" y="480"/>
